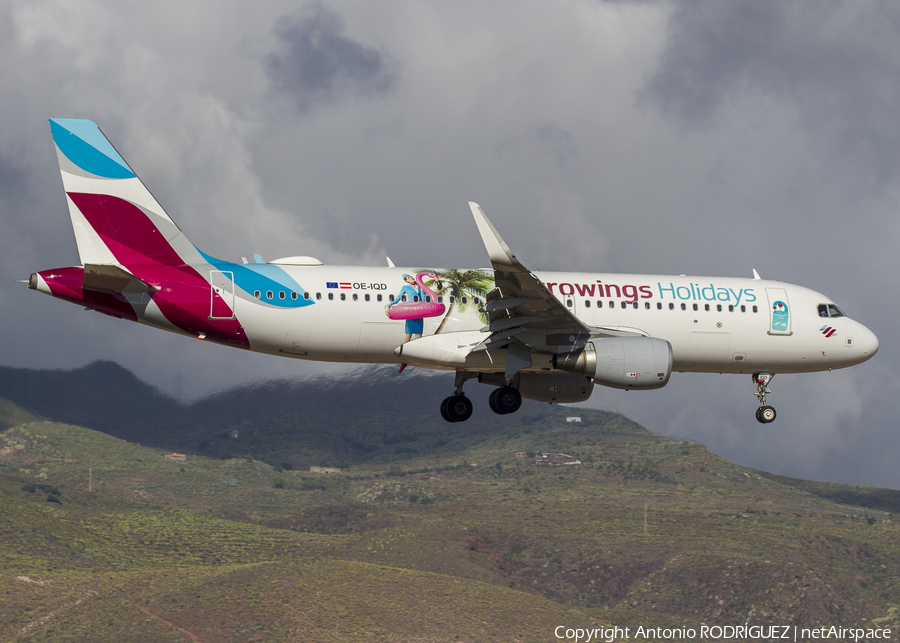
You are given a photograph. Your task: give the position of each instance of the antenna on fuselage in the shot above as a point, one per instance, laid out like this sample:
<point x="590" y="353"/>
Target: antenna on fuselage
<point x="756" y="275"/>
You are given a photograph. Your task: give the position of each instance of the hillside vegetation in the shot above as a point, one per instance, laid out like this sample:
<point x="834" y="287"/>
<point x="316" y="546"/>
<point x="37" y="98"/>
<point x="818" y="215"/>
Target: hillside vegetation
<point x="454" y="538"/>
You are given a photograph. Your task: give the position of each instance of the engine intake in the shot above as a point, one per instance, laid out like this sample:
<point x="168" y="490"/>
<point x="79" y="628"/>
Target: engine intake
<point x="621" y="362"/>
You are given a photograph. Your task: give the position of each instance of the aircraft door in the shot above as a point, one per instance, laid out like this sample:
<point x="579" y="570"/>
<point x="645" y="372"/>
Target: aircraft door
<point x="779" y="312"/>
<point x="222" y="295"/>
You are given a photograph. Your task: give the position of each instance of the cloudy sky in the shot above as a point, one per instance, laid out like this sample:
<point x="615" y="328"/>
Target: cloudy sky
<point x="656" y="137"/>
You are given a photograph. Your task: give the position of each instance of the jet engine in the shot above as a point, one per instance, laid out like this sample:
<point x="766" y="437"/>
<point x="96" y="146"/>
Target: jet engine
<point x="621" y="362"/>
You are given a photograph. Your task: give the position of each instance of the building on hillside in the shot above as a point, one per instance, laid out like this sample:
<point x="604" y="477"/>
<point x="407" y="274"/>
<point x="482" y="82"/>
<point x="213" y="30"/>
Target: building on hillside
<point x="324" y="469"/>
<point x="573" y="418"/>
<point x="176" y="456"/>
<point x="555" y="459"/>
<point x="521" y="455"/>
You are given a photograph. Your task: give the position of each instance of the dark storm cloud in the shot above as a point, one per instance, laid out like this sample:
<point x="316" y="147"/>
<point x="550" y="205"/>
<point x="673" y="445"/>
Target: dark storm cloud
<point x="13" y="182"/>
<point x="318" y="64"/>
<point x="828" y="59"/>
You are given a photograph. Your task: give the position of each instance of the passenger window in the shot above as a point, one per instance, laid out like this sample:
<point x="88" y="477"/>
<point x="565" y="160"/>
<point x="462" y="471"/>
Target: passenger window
<point x="378" y="297"/>
<point x="403" y="298"/>
<point x="706" y="307"/>
<point x="330" y="296"/>
<point x="452" y="299"/>
<point x="755" y="309"/>
<point x="731" y="308"/>
<point x="294" y="296"/>
<point x="624" y="304"/>
<point x="659" y="305"/>
<point x="343" y="296"/>
<point x="318" y="296"/>
<point x="719" y="307"/>
<point x="367" y="297"/>
<point x="465" y="300"/>
<point x="415" y="298"/>
<point x="281" y="295"/>
<point x="634" y="305"/>
<point x="256" y="294"/>
<point x="647" y="305"/>
<point x="695" y="307"/>
<point x="569" y="303"/>
<point x="428" y="298"/>
<point x="390" y="298"/>
<point x="684" y="306"/>
<point x="269" y="294"/>
<point x="743" y="308"/>
<point x="587" y="304"/>
<point x="474" y="299"/>
<point x="440" y="299"/>
<point x="355" y="297"/>
<point x="671" y="306"/>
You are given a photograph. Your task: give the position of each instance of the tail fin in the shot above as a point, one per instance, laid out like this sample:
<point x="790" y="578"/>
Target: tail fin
<point x="116" y="219"/>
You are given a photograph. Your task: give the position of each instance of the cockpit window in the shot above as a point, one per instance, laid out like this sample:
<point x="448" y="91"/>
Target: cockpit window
<point x="830" y="310"/>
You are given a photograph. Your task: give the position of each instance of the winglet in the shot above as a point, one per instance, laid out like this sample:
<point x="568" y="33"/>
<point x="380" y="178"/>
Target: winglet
<point x="496" y="247"/>
<point x="756" y="275"/>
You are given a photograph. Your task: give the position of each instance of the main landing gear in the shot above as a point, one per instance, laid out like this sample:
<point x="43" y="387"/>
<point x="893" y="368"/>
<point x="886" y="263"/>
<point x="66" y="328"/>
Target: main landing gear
<point x="505" y="400"/>
<point x="457" y="407"/>
<point x="765" y="413"/>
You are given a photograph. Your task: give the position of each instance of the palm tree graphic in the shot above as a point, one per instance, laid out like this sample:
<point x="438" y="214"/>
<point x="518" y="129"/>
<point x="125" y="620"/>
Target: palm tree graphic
<point x="462" y="283"/>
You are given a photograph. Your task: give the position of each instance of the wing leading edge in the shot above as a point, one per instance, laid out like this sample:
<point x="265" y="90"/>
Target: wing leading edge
<point x="524" y="315"/>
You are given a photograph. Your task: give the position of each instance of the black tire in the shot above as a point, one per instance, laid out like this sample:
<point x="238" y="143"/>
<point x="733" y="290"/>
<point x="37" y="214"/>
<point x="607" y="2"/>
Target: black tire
<point x="492" y="402"/>
<point x="444" y="413"/>
<point x="459" y="408"/>
<point x="508" y="399"/>
<point x="767" y="414"/>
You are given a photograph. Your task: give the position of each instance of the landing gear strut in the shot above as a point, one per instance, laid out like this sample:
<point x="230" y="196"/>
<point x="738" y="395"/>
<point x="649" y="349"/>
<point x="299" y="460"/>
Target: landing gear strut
<point x="764" y="413"/>
<point x="505" y="399"/>
<point x="457" y="407"/>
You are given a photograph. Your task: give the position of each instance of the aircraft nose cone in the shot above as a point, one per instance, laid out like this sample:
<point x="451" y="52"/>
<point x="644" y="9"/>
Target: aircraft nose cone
<point x="866" y="342"/>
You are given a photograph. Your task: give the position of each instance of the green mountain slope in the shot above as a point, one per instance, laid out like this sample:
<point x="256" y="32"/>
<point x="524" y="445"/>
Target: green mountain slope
<point x="468" y="543"/>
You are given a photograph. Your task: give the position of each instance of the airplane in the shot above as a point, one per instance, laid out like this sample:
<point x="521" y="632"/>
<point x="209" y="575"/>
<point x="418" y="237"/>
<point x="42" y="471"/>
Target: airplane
<point x="545" y="336"/>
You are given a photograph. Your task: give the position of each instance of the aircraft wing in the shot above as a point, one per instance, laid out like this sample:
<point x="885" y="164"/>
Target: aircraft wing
<point x="521" y="308"/>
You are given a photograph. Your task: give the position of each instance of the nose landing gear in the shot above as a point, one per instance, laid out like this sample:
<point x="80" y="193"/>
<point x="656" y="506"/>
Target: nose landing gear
<point x="765" y="413"/>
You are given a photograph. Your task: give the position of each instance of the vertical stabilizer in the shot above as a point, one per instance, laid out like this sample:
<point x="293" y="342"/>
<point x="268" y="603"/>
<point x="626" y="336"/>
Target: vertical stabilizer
<point x="116" y="219"/>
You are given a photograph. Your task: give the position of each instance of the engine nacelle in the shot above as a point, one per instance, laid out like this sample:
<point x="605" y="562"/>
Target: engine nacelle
<point x="556" y="388"/>
<point x="621" y="362"/>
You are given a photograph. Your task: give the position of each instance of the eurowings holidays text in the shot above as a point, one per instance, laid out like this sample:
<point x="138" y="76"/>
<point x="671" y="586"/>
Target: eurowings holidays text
<point x="631" y="293"/>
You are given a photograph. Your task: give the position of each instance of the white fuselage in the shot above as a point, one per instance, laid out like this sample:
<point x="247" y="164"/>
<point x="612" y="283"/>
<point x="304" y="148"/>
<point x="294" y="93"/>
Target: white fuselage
<point x="715" y="325"/>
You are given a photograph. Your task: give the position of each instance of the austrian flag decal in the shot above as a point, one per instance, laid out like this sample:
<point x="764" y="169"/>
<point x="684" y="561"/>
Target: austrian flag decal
<point x="828" y="331"/>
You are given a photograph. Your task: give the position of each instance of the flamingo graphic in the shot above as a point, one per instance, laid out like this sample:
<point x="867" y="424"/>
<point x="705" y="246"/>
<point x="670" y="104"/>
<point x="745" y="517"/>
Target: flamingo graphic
<point x="428" y="306"/>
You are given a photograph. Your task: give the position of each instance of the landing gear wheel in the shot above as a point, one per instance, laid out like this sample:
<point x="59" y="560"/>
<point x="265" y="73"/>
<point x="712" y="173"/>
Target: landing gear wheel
<point x="505" y="400"/>
<point x="492" y="402"/>
<point x="765" y="414"/>
<point x="456" y="408"/>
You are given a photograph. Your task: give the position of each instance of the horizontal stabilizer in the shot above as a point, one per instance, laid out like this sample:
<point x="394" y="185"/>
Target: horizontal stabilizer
<point x="112" y="279"/>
